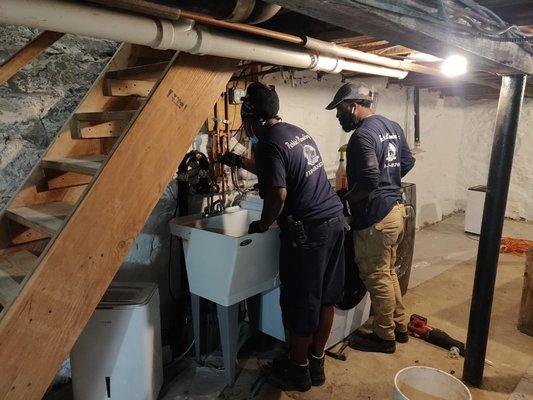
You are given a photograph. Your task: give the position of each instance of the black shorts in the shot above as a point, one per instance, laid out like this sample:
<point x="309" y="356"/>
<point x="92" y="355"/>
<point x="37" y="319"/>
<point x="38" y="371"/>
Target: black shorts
<point x="311" y="274"/>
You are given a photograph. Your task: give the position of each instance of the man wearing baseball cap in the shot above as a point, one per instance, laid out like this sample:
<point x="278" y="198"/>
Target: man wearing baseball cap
<point x="297" y="194"/>
<point x="377" y="158"/>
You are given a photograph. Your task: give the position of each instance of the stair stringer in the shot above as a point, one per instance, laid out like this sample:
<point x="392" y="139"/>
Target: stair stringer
<point x="41" y="325"/>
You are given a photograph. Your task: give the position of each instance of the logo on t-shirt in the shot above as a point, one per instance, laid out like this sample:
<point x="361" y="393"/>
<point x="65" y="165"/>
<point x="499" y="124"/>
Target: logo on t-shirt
<point x="391" y="153"/>
<point x="392" y="157"/>
<point x="311" y="154"/>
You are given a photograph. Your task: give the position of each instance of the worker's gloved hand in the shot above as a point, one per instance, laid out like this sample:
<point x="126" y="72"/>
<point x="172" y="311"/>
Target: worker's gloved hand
<point x="256" y="227"/>
<point x="231" y="160"/>
<point x="342" y="192"/>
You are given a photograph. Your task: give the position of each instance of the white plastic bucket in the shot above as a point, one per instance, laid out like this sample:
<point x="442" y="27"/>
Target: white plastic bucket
<point x="426" y="383"/>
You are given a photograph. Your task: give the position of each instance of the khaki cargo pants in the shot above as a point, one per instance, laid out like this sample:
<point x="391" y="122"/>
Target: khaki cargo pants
<point x="375" y="250"/>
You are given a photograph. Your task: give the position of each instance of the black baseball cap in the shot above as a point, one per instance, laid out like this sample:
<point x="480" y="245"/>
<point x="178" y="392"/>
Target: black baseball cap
<point x="261" y="101"/>
<point x="350" y="91"/>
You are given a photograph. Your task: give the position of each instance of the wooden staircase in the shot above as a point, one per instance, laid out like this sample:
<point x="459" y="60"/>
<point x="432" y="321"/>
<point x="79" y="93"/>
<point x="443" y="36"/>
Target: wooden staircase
<point x="65" y="233"/>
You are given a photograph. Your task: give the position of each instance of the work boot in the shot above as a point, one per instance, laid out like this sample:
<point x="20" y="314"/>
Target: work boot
<point x="316" y="369"/>
<point x="286" y="375"/>
<point x="401" y="337"/>
<point x="372" y="343"/>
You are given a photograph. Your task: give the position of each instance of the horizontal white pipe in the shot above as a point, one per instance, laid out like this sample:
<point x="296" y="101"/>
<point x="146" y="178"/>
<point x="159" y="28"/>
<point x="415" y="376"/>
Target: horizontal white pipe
<point x="341" y="51"/>
<point x="87" y="20"/>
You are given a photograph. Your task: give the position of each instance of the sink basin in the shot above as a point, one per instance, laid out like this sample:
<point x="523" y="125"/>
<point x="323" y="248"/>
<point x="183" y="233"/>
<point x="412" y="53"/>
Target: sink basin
<point x="224" y="263"/>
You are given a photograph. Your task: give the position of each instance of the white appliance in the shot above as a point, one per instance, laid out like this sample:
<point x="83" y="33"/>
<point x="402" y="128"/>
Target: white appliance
<point x="118" y="355"/>
<point x="344" y="321"/>
<point x="475" y="203"/>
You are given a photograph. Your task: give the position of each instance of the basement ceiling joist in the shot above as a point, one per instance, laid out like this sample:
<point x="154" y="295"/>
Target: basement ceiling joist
<point x="476" y="84"/>
<point x="484" y="54"/>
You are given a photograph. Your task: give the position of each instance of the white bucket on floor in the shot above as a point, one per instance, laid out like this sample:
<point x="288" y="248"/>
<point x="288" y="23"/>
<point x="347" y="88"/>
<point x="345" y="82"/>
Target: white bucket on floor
<point x="426" y="383"/>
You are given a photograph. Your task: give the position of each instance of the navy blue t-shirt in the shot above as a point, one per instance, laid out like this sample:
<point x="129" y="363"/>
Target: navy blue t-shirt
<point x="288" y="157"/>
<point x="377" y="158"/>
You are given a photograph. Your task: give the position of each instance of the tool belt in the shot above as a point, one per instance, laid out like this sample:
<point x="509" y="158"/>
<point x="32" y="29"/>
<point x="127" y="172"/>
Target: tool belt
<point x="299" y="231"/>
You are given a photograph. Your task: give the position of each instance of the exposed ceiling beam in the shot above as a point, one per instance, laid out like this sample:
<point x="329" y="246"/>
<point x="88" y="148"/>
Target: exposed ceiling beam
<point x="419" y="35"/>
<point x="393" y="51"/>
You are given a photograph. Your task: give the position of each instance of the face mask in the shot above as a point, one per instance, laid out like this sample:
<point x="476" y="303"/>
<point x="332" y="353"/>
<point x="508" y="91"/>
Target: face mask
<point x="253" y="129"/>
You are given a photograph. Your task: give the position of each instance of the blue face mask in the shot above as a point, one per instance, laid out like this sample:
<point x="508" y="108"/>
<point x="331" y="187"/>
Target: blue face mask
<point x="254" y="139"/>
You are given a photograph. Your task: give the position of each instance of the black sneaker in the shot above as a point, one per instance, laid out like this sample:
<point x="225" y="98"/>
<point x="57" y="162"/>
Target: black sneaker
<point x="401" y="337"/>
<point x="286" y="375"/>
<point x="372" y="343"/>
<point x="316" y="369"/>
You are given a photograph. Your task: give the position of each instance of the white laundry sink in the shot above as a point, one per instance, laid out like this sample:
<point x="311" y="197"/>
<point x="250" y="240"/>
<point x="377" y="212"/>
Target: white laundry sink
<point x="224" y="263"/>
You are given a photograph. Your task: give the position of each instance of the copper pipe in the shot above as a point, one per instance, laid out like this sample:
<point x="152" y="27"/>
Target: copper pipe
<point x="286" y="37"/>
<point x="205" y="19"/>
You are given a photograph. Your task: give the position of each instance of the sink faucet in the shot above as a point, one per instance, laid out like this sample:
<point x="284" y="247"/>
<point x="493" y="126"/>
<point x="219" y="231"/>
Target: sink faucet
<point x="215" y="208"/>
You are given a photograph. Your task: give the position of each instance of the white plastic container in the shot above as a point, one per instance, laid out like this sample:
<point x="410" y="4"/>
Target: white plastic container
<point x="426" y="383"/>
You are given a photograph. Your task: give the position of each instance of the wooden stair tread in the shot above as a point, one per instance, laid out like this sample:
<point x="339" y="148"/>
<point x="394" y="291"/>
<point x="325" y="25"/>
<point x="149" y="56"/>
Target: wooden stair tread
<point x="104" y="116"/>
<point x="13" y="269"/>
<point x="87" y="165"/>
<point x="135" y="81"/>
<point x="140" y="72"/>
<point x="92" y="125"/>
<point x="46" y="218"/>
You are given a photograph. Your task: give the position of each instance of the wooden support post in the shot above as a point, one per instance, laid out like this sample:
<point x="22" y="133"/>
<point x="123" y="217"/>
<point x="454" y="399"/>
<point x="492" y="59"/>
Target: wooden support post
<point x="42" y="324"/>
<point x="525" y="318"/>
<point x="27" y="54"/>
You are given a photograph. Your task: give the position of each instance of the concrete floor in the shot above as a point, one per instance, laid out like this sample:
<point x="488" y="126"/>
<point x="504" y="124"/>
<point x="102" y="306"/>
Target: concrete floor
<point x="440" y="289"/>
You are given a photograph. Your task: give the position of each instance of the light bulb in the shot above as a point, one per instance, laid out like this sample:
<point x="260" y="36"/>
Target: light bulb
<point x="454" y="65"/>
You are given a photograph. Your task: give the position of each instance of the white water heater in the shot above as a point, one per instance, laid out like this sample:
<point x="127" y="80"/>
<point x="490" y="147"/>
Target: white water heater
<point x="118" y="355"/>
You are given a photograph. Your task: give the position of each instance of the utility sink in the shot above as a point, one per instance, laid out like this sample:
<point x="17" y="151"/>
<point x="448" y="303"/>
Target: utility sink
<point x="224" y="263"/>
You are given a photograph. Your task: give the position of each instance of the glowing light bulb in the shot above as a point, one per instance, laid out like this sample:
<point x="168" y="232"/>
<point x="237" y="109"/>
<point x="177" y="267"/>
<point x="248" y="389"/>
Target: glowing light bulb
<point x="454" y="65"/>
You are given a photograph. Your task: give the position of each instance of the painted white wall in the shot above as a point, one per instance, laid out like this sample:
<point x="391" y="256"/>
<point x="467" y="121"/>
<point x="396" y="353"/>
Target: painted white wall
<point x="436" y="168"/>
<point x="476" y="143"/>
<point x="456" y="137"/>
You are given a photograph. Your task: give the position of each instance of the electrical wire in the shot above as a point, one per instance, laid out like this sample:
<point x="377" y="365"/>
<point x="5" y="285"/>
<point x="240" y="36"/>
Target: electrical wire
<point x="464" y="17"/>
<point x="185" y="352"/>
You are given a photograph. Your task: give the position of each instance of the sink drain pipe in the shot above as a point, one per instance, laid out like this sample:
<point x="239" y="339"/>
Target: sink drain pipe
<point x="181" y="35"/>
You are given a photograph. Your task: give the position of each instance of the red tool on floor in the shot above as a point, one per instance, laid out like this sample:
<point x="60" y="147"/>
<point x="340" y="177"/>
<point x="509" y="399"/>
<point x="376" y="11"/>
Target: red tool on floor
<point x="418" y="327"/>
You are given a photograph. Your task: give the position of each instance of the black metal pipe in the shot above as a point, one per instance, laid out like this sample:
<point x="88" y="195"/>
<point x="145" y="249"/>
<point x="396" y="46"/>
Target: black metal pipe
<point x="501" y="162"/>
<point x="417" y="115"/>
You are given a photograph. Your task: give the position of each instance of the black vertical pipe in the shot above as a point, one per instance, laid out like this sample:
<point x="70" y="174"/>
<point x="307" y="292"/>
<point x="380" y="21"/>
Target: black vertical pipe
<point x="417" y="115"/>
<point x="501" y="161"/>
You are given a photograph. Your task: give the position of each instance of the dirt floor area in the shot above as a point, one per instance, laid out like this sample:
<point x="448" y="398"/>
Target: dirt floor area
<point x="440" y="289"/>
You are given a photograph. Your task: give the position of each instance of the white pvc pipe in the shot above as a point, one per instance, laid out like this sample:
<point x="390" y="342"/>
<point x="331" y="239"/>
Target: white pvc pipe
<point x="87" y="20"/>
<point x="333" y="49"/>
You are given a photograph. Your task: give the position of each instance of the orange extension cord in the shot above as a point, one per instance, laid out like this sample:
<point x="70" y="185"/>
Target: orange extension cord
<point x="515" y="246"/>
